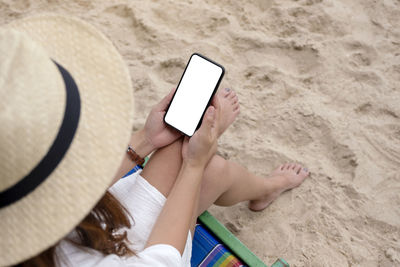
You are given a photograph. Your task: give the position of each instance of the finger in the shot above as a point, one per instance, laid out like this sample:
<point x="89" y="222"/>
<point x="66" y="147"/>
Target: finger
<point x="163" y="104"/>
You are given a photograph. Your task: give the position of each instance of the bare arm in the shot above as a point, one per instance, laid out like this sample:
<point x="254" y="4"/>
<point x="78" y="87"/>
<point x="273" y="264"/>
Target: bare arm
<point x="141" y="146"/>
<point x="155" y="134"/>
<point x="174" y="221"/>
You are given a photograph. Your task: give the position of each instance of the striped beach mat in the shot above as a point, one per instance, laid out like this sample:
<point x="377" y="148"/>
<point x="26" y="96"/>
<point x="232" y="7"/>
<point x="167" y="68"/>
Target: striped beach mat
<point x="208" y="251"/>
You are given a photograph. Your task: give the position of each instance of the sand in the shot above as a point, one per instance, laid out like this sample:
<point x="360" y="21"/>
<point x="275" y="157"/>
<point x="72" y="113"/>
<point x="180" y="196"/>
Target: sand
<point x="319" y="83"/>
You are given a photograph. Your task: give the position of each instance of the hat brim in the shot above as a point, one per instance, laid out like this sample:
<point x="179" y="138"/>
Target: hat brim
<point x="52" y="210"/>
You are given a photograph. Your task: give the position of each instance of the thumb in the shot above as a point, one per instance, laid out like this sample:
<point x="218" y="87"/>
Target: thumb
<point x="163" y="104"/>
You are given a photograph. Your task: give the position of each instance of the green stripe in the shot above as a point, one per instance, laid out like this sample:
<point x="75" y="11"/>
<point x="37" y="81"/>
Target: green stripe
<point x="280" y="263"/>
<point x="222" y="259"/>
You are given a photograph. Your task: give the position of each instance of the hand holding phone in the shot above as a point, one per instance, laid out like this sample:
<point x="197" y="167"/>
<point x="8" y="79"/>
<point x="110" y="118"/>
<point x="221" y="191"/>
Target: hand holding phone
<point x="197" y="86"/>
<point x="198" y="150"/>
<point x="157" y="133"/>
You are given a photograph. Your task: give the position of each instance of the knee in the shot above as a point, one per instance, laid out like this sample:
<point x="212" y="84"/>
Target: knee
<point x="217" y="169"/>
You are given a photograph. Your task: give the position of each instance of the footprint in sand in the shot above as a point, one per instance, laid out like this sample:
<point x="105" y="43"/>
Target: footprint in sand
<point x="171" y="69"/>
<point x="361" y="54"/>
<point x="290" y="57"/>
<point x="128" y="19"/>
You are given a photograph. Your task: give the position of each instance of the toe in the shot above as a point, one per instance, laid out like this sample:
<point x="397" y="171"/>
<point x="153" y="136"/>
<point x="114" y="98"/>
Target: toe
<point x="235" y="100"/>
<point x="232" y="95"/>
<point x="236" y="103"/>
<point x="226" y="92"/>
<point x="282" y="167"/>
<point x="298" y="168"/>
<point x="304" y="171"/>
<point x="285" y="166"/>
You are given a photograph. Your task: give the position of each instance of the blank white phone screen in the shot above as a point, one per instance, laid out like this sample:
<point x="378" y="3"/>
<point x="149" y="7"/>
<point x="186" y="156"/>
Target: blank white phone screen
<point x="192" y="95"/>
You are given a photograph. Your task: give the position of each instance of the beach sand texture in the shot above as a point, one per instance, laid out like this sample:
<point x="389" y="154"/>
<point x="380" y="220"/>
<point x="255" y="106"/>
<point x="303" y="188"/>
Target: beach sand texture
<point x="318" y="82"/>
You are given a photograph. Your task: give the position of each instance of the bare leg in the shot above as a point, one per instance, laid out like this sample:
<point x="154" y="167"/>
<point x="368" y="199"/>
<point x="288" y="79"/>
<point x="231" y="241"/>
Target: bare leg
<point x="225" y="183"/>
<point x="163" y="167"/>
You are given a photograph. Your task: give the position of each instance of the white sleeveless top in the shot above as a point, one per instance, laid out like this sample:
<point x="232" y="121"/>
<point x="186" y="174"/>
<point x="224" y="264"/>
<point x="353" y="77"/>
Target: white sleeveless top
<point x="144" y="202"/>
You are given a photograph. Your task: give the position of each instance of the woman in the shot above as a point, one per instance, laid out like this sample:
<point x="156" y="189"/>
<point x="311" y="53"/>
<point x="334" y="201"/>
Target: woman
<point x="66" y="116"/>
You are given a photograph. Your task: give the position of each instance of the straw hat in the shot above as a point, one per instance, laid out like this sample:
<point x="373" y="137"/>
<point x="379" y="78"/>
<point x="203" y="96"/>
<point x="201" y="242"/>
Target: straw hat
<point x="63" y="132"/>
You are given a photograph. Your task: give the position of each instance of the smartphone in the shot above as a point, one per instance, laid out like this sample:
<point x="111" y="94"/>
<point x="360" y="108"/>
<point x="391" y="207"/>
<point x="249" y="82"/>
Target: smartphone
<point x="197" y="86"/>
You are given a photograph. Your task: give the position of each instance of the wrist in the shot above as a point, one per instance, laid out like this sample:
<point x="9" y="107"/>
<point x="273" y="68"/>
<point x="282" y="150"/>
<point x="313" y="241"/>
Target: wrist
<point x="191" y="172"/>
<point x="193" y="165"/>
<point x="140" y="144"/>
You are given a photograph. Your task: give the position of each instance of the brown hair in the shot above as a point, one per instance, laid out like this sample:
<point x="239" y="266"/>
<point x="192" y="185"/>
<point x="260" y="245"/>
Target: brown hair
<point x="100" y="230"/>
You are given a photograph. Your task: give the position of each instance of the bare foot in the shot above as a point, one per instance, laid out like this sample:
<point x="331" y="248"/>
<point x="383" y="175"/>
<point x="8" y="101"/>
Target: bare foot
<point x="285" y="177"/>
<point x="229" y="108"/>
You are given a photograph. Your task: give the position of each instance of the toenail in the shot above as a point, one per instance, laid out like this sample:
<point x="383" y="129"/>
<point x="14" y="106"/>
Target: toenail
<point x="305" y="169"/>
<point x="227" y="89"/>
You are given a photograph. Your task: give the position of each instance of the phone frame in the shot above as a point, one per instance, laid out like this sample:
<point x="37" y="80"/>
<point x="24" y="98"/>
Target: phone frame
<point x="209" y="100"/>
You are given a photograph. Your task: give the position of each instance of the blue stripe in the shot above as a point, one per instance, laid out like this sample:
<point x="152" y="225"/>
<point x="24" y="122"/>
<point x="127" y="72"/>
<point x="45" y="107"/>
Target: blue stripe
<point x="135" y="169"/>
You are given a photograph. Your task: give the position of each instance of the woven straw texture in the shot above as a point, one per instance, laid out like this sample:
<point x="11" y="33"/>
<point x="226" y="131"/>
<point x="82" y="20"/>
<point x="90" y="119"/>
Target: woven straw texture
<point x="52" y="210"/>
